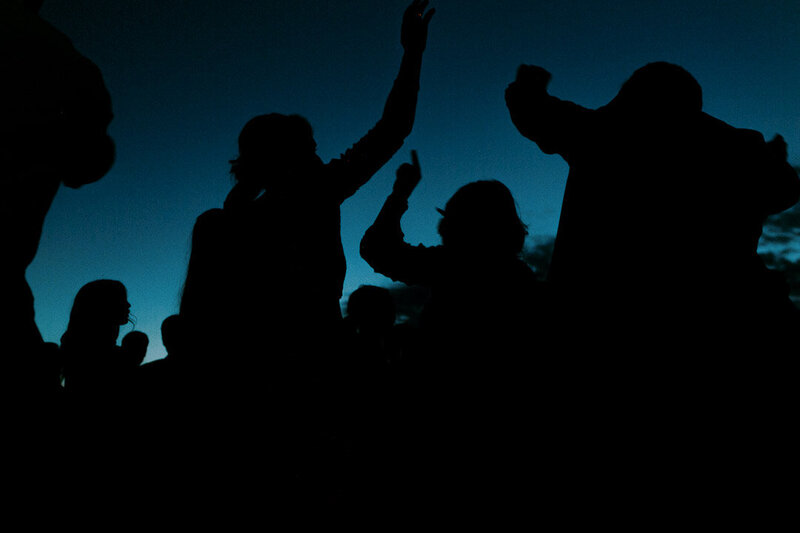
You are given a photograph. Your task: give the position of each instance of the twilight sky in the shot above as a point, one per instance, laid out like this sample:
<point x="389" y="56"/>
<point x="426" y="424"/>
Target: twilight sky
<point x="185" y="75"/>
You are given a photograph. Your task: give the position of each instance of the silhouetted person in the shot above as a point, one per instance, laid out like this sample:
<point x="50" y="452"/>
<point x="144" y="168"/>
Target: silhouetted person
<point x="485" y="308"/>
<point x="134" y="346"/>
<point x="266" y="271"/>
<point x="676" y="330"/>
<point x="167" y="409"/>
<point x="371" y="309"/>
<point x="95" y="367"/>
<point x="55" y="110"/>
<point x="133" y="350"/>
<point x="165" y="379"/>
<point x="371" y="316"/>
<point x="372" y="353"/>
<point x="378" y="401"/>
<point x="373" y="356"/>
<point x="662" y="211"/>
<point x="482" y="295"/>
<point x="173" y="336"/>
<point x="265" y="276"/>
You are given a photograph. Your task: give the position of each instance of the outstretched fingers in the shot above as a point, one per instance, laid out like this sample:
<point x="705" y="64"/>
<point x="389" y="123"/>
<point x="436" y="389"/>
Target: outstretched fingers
<point x="417" y="9"/>
<point x="418" y="6"/>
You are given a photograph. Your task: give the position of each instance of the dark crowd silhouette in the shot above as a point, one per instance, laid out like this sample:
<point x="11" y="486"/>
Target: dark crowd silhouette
<point x="583" y="397"/>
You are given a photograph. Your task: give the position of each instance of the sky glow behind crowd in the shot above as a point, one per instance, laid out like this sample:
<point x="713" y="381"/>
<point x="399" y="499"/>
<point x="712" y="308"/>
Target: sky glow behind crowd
<point x="185" y="76"/>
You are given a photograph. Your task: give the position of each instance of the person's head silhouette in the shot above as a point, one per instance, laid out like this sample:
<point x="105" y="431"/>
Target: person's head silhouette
<point x="99" y="309"/>
<point x="134" y="345"/>
<point x="371" y="309"/>
<point x="661" y="89"/>
<point x="173" y="335"/>
<point x="482" y="217"/>
<point x="275" y="150"/>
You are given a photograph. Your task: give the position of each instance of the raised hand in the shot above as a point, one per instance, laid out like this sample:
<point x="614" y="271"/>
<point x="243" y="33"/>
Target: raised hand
<point x="777" y="146"/>
<point x="533" y="76"/>
<point x="530" y="80"/>
<point x="408" y="176"/>
<point x="414" y="32"/>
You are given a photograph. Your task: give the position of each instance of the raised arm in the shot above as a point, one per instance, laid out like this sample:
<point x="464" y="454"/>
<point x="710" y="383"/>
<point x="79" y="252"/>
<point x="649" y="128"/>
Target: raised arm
<point x="383" y="245"/>
<point x="551" y="123"/>
<point x="358" y="164"/>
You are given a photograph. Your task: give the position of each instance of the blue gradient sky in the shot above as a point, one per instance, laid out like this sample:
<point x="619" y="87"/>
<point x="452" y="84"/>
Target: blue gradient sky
<point x="185" y="75"/>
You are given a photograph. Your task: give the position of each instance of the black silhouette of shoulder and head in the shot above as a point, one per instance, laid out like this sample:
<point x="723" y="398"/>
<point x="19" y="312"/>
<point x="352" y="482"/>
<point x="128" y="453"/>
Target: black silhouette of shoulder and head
<point x="91" y="356"/>
<point x="277" y="153"/>
<point x="371" y="310"/>
<point x="471" y="357"/>
<point x="134" y="347"/>
<point x="659" y="89"/>
<point x="59" y="108"/>
<point x="479" y="285"/>
<point x="656" y="263"/>
<point x="101" y="301"/>
<point x="162" y="380"/>
<point x="651" y="169"/>
<point x="482" y="215"/>
<point x="173" y="335"/>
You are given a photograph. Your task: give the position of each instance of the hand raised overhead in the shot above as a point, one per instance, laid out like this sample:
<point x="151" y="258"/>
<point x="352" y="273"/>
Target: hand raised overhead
<point x="408" y="176"/>
<point x="778" y="147"/>
<point x="533" y="76"/>
<point x="414" y="32"/>
<point x="530" y="80"/>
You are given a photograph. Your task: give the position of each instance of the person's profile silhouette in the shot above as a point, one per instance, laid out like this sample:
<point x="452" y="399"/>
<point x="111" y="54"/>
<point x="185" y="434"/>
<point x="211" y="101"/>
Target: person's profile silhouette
<point x="94" y="365"/>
